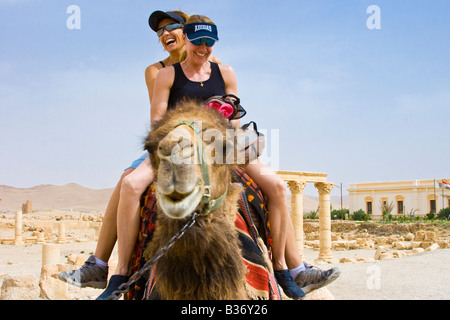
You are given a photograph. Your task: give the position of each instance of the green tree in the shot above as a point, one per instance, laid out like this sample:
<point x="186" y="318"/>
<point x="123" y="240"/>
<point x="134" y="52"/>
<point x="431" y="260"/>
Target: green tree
<point x="386" y="209"/>
<point x="360" y="215"/>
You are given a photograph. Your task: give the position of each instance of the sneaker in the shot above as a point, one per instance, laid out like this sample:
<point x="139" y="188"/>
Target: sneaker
<point x="290" y="288"/>
<point x="89" y="275"/>
<point x="114" y="283"/>
<point x="314" y="278"/>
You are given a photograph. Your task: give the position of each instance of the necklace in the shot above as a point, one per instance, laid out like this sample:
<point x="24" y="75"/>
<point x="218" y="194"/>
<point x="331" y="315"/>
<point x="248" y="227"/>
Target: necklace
<point x="187" y="72"/>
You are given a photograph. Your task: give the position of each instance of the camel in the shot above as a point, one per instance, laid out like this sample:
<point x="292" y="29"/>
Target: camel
<point x="206" y="262"/>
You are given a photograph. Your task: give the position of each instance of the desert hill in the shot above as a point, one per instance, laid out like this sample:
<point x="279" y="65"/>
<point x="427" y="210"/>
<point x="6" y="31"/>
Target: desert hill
<point x="44" y="197"/>
<point x="76" y="197"/>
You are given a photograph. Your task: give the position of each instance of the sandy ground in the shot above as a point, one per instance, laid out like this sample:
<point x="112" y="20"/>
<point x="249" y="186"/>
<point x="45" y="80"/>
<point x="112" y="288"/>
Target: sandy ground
<point x="27" y="259"/>
<point x="423" y="276"/>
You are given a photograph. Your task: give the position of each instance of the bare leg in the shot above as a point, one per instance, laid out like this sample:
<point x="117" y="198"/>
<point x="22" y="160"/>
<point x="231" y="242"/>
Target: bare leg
<point x="133" y="185"/>
<point x="108" y="232"/>
<point x="93" y="273"/>
<point x="285" y="253"/>
<point x="293" y="259"/>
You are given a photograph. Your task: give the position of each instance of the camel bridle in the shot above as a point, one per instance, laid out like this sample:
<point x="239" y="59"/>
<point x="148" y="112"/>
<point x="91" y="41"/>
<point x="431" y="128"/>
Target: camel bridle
<point x="210" y="206"/>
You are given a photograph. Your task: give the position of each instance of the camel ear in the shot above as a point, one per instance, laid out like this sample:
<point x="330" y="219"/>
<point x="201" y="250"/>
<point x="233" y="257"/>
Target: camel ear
<point x="149" y="144"/>
<point x="149" y="149"/>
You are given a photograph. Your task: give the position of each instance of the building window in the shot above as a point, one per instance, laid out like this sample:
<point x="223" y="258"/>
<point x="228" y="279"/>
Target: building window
<point x="369" y="207"/>
<point x="400" y="207"/>
<point x="433" y="206"/>
<point x="384" y="202"/>
<point x="400" y="201"/>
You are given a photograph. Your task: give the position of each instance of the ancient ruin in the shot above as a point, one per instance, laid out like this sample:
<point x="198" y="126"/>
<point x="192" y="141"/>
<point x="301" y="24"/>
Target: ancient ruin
<point x="27" y="207"/>
<point x="297" y="182"/>
<point x="50" y="230"/>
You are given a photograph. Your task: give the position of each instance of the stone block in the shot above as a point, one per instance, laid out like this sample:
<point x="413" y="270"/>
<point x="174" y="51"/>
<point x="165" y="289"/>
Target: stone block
<point x="381" y="240"/>
<point x="430" y="236"/>
<point x="27" y="207"/>
<point x="20" y="287"/>
<point x="409" y="237"/>
<point x="399" y="254"/>
<point x="77" y="259"/>
<point x="348" y="260"/>
<point x="417" y="250"/>
<point x="51" y="287"/>
<point x="386" y="256"/>
<point x="401" y="245"/>
<point x="420" y="235"/>
<point x="365" y="260"/>
<point x="433" y="247"/>
<point x="444" y="244"/>
<point x="379" y="251"/>
<point x="426" y="244"/>
<point x="415" y="244"/>
<point x="341" y="244"/>
<point x="51" y="253"/>
<point x="353" y="245"/>
<point x="320" y="294"/>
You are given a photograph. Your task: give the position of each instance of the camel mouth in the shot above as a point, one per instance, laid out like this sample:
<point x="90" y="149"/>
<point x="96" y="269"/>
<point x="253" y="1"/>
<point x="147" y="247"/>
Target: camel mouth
<point x="178" y="205"/>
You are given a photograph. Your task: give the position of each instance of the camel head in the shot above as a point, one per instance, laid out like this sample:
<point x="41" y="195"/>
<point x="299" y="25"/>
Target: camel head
<point x="189" y="150"/>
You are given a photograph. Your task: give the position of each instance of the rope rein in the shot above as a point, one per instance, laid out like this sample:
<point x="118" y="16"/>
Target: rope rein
<point x="125" y="287"/>
<point x="210" y="205"/>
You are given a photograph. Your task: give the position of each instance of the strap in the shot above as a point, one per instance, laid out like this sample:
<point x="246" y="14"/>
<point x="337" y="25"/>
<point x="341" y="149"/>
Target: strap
<point x="255" y="127"/>
<point x="211" y="204"/>
<point x="238" y="111"/>
<point x="244" y="210"/>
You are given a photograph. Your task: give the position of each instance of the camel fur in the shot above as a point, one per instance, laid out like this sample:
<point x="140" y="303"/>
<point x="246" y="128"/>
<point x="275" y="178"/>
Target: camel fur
<point x="205" y="263"/>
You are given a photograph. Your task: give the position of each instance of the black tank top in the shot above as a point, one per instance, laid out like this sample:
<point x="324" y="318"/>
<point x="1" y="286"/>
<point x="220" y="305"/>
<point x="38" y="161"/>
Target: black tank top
<point x="184" y="88"/>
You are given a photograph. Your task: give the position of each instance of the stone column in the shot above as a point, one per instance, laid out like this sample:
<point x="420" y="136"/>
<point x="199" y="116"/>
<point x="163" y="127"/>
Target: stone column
<point x="324" y="189"/>
<point x="40" y="238"/>
<point x="50" y="254"/>
<point x="296" y="188"/>
<point x="18" y="228"/>
<point x="62" y="233"/>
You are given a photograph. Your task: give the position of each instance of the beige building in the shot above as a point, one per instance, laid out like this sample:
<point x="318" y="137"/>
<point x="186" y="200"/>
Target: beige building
<point x="415" y="196"/>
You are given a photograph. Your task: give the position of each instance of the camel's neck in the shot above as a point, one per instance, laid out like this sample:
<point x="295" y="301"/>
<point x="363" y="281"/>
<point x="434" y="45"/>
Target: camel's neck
<point x="205" y="263"/>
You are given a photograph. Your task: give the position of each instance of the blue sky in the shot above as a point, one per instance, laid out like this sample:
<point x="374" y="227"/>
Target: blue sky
<point x="358" y="104"/>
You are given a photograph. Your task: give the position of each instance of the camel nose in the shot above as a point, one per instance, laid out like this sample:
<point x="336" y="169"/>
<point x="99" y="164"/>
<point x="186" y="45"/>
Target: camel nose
<point x="177" y="145"/>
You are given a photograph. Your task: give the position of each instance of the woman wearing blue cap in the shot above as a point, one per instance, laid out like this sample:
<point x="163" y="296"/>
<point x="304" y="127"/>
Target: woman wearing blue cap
<point x="197" y="77"/>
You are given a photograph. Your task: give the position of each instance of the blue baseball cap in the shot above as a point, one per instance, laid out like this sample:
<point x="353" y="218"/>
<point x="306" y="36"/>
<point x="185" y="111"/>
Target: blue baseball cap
<point x="199" y="30"/>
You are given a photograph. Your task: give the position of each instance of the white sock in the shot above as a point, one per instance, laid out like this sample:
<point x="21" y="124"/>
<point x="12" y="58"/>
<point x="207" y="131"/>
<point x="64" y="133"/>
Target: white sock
<point x="294" y="272"/>
<point x="101" y="263"/>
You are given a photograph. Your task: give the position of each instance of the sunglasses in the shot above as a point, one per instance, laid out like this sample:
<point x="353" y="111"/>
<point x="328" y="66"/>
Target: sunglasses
<point x="198" y="42"/>
<point x="169" y="27"/>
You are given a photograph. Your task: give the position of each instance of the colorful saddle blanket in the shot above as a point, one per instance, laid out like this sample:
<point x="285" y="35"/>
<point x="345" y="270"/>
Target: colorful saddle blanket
<point x="260" y="282"/>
